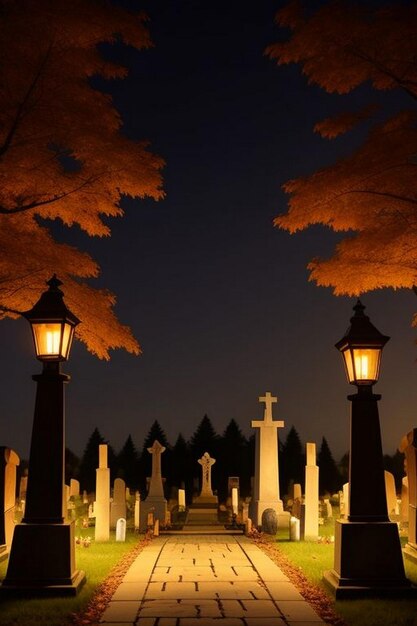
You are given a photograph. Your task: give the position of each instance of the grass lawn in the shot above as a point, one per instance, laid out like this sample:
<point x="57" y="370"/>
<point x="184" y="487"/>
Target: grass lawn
<point x="315" y="558"/>
<point x="96" y="561"/>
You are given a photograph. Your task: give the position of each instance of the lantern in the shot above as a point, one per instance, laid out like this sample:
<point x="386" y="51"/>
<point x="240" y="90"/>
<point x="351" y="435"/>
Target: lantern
<point x="361" y="348"/>
<point x="52" y="324"/>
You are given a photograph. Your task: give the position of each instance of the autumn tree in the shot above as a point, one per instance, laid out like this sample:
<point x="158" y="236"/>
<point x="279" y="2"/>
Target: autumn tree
<point x="63" y="156"/>
<point x="370" y="194"/>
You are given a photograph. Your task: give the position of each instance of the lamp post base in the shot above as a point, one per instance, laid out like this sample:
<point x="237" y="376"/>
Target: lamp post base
<point x="367" y="561"/>
<point x="42" y="561"/>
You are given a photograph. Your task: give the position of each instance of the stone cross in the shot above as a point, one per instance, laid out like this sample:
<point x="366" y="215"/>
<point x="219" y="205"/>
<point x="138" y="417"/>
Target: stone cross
<point x="266" y="484"/>
<point x="156" y="487"/>
<point x="206" y="462"/>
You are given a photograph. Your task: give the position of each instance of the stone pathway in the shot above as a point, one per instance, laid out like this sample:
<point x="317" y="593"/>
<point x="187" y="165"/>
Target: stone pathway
<point x="204" y="580"/>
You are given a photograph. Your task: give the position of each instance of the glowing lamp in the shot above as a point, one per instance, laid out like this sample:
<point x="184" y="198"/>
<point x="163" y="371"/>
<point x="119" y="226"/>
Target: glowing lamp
<point x="361" y="349"/>
<point x="52" y="324"/>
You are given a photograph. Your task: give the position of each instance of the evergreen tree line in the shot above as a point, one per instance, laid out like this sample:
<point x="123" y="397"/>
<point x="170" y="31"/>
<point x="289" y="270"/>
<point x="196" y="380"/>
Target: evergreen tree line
<point x="234" y="454"/>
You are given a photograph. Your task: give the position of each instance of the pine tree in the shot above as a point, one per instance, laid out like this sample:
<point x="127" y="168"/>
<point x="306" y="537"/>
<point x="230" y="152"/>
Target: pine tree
<point x="233" y="459"/>
<point x="72" y="465"/>
<point x="89" y="461"/>
<point x="127" y="464"/>
<point x="291" y="461"/>
<point x="330" y="480"/>
<point x="204" y="439"/>
<point x="63" y="156"/>
<point x="181" y="471"/>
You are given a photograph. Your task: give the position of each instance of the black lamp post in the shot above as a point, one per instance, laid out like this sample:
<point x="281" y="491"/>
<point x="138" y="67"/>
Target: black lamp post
<point x="42" y="556"/>
<point x="368" y="558"/>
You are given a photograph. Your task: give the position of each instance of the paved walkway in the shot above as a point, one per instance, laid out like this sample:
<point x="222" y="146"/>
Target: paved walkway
<point x="207" y="580"/>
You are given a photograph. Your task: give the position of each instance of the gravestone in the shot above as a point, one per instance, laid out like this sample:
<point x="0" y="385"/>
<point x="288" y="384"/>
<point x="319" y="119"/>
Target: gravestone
<point x="181" y="499"/>
<point x="404" y="501"/>
<point x="85" y="497"/>
<point x="297" y="493"/>
<point x="408" y="446"/>
<point x="23" y="486"/>
<point x="310" y="530"/>
<point x="269" y="521"/>
<point x="155" y="500"/>
<point x="266" y="482"/>
<point x="118" y="504"/>
<point x="232" y="481"/>
<point x="346" y="499"/>
<point x="102" y="503"/>
<point x="235" y="501"/>
<point x="74" y="488"/>
<point x="137" y="510"/>
<point x="121" y="529"/>
<point x="9" y="461"/>
<point x="206" y="494"/>
<point x="390" y="493"/>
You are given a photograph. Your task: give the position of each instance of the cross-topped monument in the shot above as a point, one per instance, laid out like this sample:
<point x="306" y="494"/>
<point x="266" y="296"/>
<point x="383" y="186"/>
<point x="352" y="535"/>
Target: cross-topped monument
<point x="266" y="484"/>
<point x="206" y="462"/>
<point x="154" y="502"/>
<point x="156" y="488"/>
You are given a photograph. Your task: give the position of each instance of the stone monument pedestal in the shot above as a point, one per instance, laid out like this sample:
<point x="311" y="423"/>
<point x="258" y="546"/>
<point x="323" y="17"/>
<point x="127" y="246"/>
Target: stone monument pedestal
<point x="367" y="559"/>
<point x="51" y="568"/>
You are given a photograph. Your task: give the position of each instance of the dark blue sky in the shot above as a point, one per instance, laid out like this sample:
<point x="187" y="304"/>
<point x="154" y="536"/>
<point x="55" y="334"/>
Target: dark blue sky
<point x="218" y="298"/>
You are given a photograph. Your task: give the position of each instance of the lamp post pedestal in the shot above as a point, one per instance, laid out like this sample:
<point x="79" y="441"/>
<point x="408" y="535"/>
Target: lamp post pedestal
<point x="42" y="556"/>
<point x="367" y="557"/>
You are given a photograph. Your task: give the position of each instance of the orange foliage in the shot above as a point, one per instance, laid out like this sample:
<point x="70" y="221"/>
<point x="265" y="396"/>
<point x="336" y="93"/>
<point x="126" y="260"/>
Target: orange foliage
<point x="373" y="192"/>
<point x="62" y="155"/>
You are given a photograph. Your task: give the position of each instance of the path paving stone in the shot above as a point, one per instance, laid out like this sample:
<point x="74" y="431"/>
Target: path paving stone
<point x="206" y="580"/>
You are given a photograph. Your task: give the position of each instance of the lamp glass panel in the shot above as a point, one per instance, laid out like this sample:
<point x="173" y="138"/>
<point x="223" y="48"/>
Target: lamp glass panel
<point x="347" y="355"/>
<point x="67" y="339"/>
<point x="366" y="363"/>
<point x="47" y="339"/>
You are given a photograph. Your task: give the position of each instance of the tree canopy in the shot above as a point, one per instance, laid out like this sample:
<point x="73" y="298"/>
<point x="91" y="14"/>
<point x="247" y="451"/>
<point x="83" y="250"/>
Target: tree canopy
<point x="63" y="155"/>
<point x="370" y="194"/>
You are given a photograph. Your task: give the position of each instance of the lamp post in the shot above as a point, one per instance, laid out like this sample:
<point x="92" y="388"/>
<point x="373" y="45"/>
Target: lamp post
<point x="367" y="558"/>
<point x="42" y="556"/>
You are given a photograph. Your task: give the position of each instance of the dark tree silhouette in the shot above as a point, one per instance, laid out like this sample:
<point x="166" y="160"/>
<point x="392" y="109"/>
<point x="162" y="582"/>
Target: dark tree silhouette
<point x="330" y="480"/>
<point x="291" y="461"/>
<point x="72" y="465"/>
<point x="233" y="459"/>
<point x="395" y="465"/>
<point x="127" y="464"/>
<point x="205" y="439"/>
<point x="89" y="461"/>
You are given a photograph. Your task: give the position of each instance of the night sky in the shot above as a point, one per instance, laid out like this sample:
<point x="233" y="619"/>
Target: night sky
<point x="218" y="298"/>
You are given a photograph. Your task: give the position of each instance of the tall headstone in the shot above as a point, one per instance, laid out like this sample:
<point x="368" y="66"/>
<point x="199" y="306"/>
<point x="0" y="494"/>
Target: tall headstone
<point x="8" y="463"/>
<point x="206" y="493"/>
<point x="118" y="504"/>
<point x="408" y="446"/>
<point x="155" y="500"/>
<point x="266" y="483"/>
<point x="346" y="490"/>
<point x="74" y="488"/>
<point x="137" y="510"/>
<point x="102" y="503"/>
<point x="181" y="499"/>
<point x="390" y="493"/>
<point x="404" y="501"/>
<point x="311" y="510"/>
